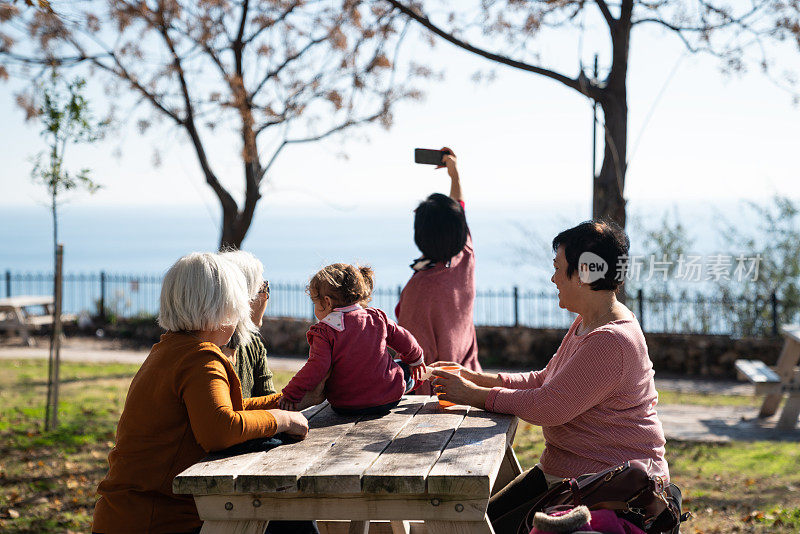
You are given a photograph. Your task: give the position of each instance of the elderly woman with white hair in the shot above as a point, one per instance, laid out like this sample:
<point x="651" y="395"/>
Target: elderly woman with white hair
<point x="250" y="358"/>
<point x="184" y="402"/>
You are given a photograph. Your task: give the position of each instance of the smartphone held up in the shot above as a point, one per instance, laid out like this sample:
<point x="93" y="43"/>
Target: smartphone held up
<point x="426" y="156"/>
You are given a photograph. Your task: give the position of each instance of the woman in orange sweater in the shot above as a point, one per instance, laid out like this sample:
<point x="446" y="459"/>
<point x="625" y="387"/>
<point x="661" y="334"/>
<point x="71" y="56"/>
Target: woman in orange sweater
<point x="184" y="402"/>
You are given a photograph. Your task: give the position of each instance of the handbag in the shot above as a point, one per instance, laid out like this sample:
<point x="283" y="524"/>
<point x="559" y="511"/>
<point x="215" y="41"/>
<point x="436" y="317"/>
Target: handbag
<point x="628" y="489"/>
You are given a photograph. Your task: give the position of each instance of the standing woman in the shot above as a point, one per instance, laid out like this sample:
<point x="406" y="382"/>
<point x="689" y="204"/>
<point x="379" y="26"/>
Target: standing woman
<point x="250" y="359"/>
<point x="436" y="303"/>
<point x="184" y="402"/>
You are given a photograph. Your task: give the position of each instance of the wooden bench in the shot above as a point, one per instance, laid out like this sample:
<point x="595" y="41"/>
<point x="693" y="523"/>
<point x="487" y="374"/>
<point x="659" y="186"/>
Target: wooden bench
<point x="20" y="314"/>
<point x="775" y="383"/>
<point x="756" y="372"/>
<point x="419" y="462"/>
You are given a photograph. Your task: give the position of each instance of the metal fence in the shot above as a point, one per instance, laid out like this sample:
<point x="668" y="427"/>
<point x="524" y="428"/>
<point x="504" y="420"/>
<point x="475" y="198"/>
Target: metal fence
<point x="110" y="295"/>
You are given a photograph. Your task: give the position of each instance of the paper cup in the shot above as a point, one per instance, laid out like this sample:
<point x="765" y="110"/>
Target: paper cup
<point x="450" y="369"/>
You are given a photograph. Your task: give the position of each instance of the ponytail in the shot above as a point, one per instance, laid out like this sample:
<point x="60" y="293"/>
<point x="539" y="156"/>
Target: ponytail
<point x="344" y="284"/>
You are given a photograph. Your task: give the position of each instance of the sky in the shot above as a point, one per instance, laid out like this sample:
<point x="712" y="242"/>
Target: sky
<point x="522" y="141"/>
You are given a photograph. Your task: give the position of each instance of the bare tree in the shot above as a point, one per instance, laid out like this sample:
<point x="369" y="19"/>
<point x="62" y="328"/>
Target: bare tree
<point x="273" y="72"/>
<point x="738" y="36"/>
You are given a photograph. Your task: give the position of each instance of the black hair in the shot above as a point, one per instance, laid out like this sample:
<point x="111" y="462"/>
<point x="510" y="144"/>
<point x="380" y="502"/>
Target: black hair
<point x="604" y="238"/>
<point x="440" y="227"/>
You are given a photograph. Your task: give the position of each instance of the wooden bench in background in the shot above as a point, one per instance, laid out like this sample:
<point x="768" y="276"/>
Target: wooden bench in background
<point x="25" y="314"/>
<point x="775" y="383"/>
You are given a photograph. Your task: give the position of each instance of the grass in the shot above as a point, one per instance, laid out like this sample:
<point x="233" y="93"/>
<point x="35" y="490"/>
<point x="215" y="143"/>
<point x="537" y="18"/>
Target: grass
<point x="707" y="399"/>
<point x="48" y="479"/>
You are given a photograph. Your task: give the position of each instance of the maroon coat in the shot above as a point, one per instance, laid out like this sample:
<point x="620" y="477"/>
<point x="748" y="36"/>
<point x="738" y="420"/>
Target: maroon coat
<point x="436" y="307"/>
<point x="351" y="344"/>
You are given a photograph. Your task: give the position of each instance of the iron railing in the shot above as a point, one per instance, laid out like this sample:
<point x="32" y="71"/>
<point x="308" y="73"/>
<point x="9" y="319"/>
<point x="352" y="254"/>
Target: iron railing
<point x="110" y="295"/>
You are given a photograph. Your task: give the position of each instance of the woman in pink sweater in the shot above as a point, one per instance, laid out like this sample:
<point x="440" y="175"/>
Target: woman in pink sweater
<point x="595" y="400"/>
<point x="348" y="354"/>
<point x="436" y="303"/>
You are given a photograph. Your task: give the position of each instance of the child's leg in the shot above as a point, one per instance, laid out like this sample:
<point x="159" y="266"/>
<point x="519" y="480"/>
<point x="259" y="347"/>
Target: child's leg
<point x="411" y="384"/>
<point x="315" y="396"/>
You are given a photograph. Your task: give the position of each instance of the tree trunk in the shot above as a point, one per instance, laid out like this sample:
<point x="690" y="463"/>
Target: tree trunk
<point x="608" y="201"/>
<point x="235" y="223"/>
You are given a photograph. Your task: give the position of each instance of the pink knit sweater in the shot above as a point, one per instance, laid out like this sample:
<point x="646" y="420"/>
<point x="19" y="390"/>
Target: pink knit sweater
<point x="436" y="307"/>
<point x="595" y="401"/>
<point x="351" y="343"/>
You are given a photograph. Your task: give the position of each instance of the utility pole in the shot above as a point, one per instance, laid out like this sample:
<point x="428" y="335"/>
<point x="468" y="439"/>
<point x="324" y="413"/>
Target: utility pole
<point x="594" y="126"/>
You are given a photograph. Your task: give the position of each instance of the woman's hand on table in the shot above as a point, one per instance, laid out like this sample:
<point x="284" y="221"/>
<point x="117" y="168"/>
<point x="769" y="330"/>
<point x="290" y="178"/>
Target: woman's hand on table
<point x="458" y="389"/>
<point x="294" y="424"/>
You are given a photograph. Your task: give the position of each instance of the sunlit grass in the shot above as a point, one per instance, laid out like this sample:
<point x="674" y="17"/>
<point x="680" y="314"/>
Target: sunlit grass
<point x="49" y="478"/>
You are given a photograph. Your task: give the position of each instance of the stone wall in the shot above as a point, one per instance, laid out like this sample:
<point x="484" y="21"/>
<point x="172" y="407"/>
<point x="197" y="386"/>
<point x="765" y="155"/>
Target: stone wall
<point x="517" y="348"/>
<point x="695" y="355"/>
<point x="529" y="348"/>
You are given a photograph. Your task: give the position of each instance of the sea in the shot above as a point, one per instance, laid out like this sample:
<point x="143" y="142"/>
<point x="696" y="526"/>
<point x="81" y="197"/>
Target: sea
<point x="135" y="245"/>
<point x="512" y="245"/>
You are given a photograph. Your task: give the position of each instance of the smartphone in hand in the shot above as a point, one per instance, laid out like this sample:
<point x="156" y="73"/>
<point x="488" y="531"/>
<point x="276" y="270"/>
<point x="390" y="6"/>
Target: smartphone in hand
<point x="427" y="156"/>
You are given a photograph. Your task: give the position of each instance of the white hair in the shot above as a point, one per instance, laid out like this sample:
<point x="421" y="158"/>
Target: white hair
<point x="251" y="267"/>
<point x="203" y="291"/>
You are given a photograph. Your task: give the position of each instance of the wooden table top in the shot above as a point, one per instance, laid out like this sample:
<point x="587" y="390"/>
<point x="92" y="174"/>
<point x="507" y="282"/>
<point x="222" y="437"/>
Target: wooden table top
<point x="418" y="448"/>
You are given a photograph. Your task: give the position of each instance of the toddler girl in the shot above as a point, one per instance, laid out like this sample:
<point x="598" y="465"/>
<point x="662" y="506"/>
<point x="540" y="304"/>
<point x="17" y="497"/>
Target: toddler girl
<point x="349" y="346"/>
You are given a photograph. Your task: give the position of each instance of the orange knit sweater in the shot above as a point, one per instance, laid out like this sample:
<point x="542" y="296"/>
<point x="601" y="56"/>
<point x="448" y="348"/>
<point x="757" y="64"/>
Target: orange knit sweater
<point x="184" y="402"/>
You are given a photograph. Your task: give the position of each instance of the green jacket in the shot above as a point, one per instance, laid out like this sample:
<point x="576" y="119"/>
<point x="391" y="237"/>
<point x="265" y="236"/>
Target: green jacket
<point x="251" y="366"/>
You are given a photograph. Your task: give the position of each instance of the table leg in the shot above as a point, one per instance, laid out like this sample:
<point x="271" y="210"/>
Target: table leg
<point x="790" y="411"/>
<point x="460" y="527"/>
<point x="785" y="369"/>
<point x="22" y="327"/>
<point x="234" y="527"/>
<point x="358" y="527"/>
<point x="400" y="527"/>
<point x="509" y="470"/>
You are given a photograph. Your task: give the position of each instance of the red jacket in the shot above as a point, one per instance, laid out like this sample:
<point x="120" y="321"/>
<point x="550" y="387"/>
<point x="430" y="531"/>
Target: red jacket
<point x="352" y="343"/>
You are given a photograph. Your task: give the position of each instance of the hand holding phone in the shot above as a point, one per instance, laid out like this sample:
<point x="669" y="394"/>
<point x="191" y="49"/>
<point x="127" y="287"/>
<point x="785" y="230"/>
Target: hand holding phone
<point x="427" y="156"/>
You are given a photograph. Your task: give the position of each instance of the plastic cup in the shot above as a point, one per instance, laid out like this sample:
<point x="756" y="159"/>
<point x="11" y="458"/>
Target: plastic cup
<point x="450" y="369"/>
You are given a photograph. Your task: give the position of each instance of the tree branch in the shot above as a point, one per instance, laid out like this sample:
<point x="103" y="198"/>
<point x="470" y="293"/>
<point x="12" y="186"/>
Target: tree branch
<point x="49" y="61"/>
<point x="242" y="22"/>
<point x="346" y="124"/>
<point x="277" y="70"/>
<point x="606" y="13"/>
<point x="728" y="19"/>
<point x="237" y="45"/>
<point x="279" y="19"/>
<point x="587" y="89"/>
<point x="224" y="196"/>
<point x="210" y="52"/>
<point x="123" y="73"/>
<point x="269" y="124"/>
<point x="339" y="128"/>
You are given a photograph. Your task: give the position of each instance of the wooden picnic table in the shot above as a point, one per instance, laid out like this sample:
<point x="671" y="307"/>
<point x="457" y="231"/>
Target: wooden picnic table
<point x="774" y="383"/>
<point x="419" y="462"/>
<point x="16" y="314"/>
